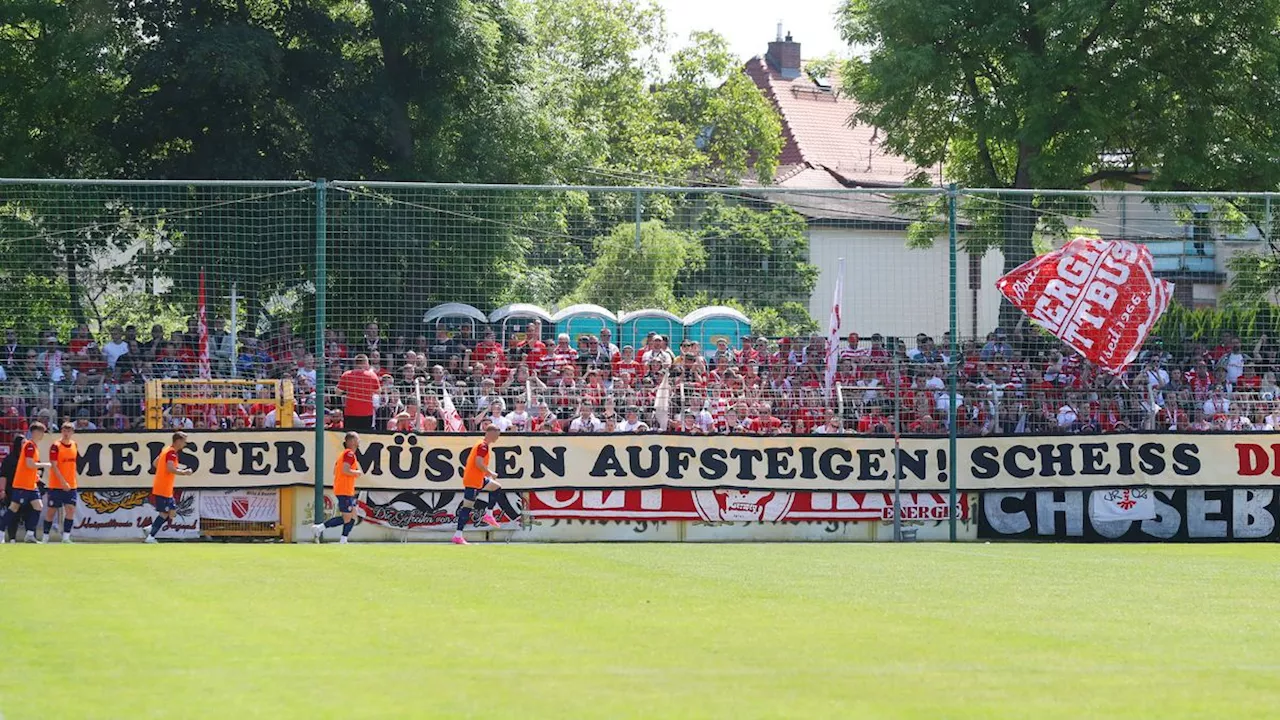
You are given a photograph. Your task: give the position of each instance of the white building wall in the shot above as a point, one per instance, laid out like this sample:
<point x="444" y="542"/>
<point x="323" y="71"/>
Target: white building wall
<point x="893" y="290"/>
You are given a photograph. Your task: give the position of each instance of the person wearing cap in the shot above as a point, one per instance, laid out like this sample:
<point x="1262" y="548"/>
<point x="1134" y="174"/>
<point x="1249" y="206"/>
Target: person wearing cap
<point x="631" y="422"/>
<point x="168" y="466"/>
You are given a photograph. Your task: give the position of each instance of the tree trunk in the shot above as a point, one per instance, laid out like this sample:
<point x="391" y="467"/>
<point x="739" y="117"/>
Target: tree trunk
<point x="1019" y="226"/>
<point x="394" y="66"/>
<point x="74" y="291"/>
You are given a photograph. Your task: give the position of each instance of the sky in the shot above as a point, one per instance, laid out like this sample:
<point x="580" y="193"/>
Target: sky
<point x="749" y="25"/>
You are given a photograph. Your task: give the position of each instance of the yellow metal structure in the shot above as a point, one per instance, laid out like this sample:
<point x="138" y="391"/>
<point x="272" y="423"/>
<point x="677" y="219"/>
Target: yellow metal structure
<point x="163" y="394"/>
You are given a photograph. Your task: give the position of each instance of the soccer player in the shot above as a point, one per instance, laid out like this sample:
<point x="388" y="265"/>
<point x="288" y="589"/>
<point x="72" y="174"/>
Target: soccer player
<point x="167" y="468"/>
<point x="25" y="478"/>
<point x="63" y="455"/>
<point x="478" y="478"/>
<point x="345" y="472"/>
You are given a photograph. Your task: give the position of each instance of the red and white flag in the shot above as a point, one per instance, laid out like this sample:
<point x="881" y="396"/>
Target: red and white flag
<point x="1101" y="297"/>
<point x="833" y="330"/>
<point x="452" y="420"/>
<point x="202" y="330"/>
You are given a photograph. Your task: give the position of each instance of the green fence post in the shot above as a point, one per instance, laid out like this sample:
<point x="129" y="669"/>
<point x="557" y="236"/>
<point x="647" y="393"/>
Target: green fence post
<point x="955" y="358"/>
<point x="639" y="217"/>
<point x="320" y="283"/>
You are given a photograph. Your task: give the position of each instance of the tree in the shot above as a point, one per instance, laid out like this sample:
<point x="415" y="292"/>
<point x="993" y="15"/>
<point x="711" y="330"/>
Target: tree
<point x="1047" y="95"/>
<point x="631" y="273"/>
<point x="759" y="257"/>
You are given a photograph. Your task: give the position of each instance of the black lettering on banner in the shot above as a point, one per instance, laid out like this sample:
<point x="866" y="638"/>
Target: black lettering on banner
<point x="638" y="468"/>
<point x="746" y="462"/>
<point x="678" y="461"/>
<point x="1095" y="462"/>
<point x="439" y="465"/>
<point x="713" y="464"/>
<point x="826" y="463"/>
<point x="607" y="463"/>
<point x="89" y="464"/>
<point x="1125" y="451"/>
<point x="123" y="460"/>
<point x="506" y="461"/>
<point x="1055" y="460"/>
<point x="777" y="464"/>
<point x="915" y="463"/>
<point x="1151" y="458"/>
<point x="253" y="458"/>
<point x="291" y="457"/>
<point x="984" y="462"/>
<point x="548" y="462"/>
<point x="1011" y="465"/>
<point x="1185" y="459"/>
<point x="1192" y="514"/>
<point x="869" y="465"/>
<point x="219" y="449"/>
<point x="370" y="459"/>
<point x="394" y="453"/>
<point x="807" y="464"/>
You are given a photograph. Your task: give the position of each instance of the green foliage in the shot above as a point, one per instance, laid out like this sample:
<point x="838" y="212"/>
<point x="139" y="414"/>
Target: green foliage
<point x="1064" y="94"/>
<point x="628" y="275"/>
<point x="757" y="256"/>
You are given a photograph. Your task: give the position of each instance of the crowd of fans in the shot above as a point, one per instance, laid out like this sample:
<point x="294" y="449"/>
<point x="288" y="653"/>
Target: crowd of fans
<point x="534" y="382"/>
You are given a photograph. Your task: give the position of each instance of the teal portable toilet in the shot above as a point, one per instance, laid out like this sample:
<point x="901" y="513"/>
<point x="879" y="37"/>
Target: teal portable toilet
<point x="709" y="324"/>
<point x="585" y="319"/>
<point x="509" y="321"/>
<point x="635" y="326"/>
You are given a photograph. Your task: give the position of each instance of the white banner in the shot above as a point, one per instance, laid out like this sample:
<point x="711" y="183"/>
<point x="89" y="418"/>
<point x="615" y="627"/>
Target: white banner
<point x="126" y="514"/>
<point x="254" y="505"/>
<point x="428" y="511"/>
<point x="1122" y="504"/>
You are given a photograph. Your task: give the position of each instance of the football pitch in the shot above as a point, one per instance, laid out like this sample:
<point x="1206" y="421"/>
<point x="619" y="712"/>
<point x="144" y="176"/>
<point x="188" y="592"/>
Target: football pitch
<point x="644" y="631"/>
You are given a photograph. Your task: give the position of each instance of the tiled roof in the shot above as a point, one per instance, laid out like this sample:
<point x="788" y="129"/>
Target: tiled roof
<point x="815" y="124"/>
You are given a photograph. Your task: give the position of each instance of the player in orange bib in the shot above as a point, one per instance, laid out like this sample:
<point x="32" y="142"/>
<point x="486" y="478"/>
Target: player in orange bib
<point x="168" y="467"/>
<point x="26" y="477"/>
<point x="478" y="478"/>
<point x="345" y="472"/>
<point x="63" y="456"/>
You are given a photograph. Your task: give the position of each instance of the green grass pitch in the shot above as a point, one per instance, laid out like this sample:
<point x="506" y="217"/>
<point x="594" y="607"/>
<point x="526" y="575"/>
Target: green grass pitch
<point x="643" y="631"/>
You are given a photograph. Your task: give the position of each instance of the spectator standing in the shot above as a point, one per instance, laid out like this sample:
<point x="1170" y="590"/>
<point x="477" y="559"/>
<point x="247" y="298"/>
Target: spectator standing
<point x="606" y="345"/>
<point x="116" y="349"/>
<point x="221" y="348"/>
<point x="357" y="388"/>
<point x="370" y="343"/>
<point x="586" y="421"/>
<point x="996" y="348"/>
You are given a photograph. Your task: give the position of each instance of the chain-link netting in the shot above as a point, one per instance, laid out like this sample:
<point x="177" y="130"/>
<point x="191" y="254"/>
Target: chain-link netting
<point x="596" y="309"/>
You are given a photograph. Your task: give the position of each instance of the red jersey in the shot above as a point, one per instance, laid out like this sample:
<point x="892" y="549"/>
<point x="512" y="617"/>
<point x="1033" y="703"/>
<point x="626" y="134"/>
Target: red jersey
<point x="359" y="387"/>
<point x="489" y="349"/>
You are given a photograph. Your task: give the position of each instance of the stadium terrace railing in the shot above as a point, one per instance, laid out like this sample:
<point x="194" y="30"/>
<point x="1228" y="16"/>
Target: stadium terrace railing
<point x="103" y="284"/>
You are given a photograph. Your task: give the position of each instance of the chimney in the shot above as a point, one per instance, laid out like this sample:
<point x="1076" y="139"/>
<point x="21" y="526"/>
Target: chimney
<point x="784" y="56"/>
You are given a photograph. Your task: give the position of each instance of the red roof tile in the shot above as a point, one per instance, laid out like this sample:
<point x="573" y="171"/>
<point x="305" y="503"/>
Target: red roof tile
<point x="815" y="124"/>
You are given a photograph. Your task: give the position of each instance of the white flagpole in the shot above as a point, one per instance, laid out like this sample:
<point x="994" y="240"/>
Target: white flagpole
<point x="833" y="330"/>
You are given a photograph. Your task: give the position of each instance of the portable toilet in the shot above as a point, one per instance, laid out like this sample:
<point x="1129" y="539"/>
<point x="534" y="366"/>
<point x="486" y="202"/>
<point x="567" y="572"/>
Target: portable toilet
<point x="585" y="319"/>
<point x="509" y="321"/>
<point x="454" y="316"/>
<point x="709" y="324"/>
<point x="635" y="326"/>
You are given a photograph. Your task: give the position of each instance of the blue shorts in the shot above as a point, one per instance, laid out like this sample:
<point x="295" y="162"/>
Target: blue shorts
<point x="24" y="496"/>
<point x="60" y="498"/>
<point x="163" y="504"/>
<point x="346" y="503"/>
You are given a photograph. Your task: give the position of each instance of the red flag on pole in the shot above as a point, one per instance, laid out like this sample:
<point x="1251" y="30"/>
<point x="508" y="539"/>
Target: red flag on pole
<point x="202" y="324"/>
<point x="452" y="420"/>
<point x="1101" y="297"/>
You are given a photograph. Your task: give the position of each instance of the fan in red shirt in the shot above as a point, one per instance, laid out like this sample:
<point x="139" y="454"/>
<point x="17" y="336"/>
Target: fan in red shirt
<point x="926" y="425"/>
<point x="489" y="347"/>
<point x="873" y="421"/>
<point x="767" y="423"/>
<point x="358" y="387"/>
